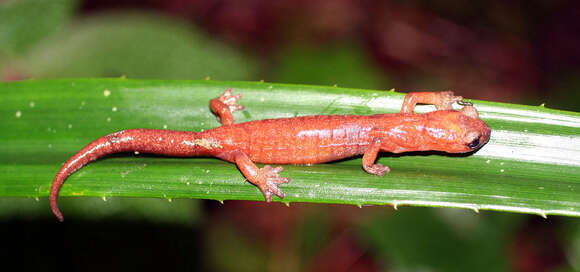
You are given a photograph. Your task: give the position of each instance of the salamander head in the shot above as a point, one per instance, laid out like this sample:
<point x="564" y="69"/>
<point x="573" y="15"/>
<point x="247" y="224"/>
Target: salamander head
<point x="473" y="132"/>
<point x="457" y="131"/>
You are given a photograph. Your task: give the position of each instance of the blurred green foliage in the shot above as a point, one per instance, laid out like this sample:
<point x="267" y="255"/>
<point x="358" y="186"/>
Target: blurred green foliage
<point x="341" y="65"/>
<point x="24" y="23"/>
<point x="441" y="240"/>
<point x="226" y="248"/>
<point x="37" y="42"/>
<point x="566" y="94"/>
<point x="136" y="46"/>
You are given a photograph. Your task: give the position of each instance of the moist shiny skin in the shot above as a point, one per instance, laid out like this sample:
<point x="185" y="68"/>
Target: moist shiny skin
<point x="299" y="140"/>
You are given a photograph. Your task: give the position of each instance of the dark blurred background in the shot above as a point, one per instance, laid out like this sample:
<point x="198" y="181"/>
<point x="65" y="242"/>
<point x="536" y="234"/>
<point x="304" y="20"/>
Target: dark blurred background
<point x="525" y="52"/>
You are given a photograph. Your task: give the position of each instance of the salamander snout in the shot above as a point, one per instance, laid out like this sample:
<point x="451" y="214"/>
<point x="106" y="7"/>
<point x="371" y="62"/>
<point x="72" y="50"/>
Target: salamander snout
<point x="476" y="131"/>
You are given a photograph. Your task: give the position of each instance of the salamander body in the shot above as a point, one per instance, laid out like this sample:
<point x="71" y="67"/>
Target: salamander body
<point x="298" y="140"/>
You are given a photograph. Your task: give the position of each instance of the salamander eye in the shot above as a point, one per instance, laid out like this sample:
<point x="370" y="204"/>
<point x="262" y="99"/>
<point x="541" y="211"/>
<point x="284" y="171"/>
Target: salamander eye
<point x="471" y="139"/>
<point x="474" y="143"/>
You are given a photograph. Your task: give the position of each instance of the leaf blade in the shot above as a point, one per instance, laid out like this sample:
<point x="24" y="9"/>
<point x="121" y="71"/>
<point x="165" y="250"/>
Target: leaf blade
<point x="535" y="175"/>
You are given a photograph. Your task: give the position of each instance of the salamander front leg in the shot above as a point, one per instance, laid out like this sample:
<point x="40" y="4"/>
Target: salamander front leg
<point x="267" y="178"/>
<point x="441" y="100"/>
<point x="224" y="105"/>
<point x="369" y="158"/>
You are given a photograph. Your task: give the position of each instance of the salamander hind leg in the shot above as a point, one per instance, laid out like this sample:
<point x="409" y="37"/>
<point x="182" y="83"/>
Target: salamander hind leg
<point x="267" y="178"/>
<point x="369" y="158"/>
<point x="441" y="100"/>
<point x="224" y="105"/>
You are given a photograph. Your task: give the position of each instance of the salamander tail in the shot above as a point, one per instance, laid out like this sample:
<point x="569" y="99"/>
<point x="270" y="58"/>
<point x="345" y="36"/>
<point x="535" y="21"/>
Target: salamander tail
<point x="109" y="144"/>
<point x="153" y="141"/>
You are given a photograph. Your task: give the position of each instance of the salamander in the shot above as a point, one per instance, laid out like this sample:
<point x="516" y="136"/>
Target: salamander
<point x="298" y="140"/>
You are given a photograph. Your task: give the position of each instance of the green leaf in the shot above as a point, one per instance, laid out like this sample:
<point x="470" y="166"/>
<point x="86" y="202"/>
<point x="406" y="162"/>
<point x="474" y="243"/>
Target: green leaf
<point x="530" y="164"/>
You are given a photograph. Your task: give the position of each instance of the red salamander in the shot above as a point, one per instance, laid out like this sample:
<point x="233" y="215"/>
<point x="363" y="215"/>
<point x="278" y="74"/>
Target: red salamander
<point x="298" y="140"/>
